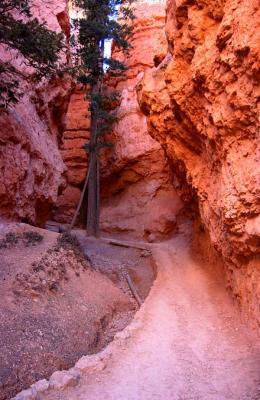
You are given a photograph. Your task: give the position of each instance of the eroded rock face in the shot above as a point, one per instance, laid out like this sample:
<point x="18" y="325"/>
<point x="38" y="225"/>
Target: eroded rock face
<point x="31" y="167"/>
<point x="74" y="137"/>
<point x="201" y="104"/>
<point x="138" y="196"/>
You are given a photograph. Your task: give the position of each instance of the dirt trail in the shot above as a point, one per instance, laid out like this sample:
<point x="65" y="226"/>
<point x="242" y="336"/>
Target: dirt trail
<point x="186" y="342"/>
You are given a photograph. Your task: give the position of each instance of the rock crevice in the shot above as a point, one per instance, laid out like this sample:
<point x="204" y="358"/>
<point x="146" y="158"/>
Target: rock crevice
<point x="201" y="106"/>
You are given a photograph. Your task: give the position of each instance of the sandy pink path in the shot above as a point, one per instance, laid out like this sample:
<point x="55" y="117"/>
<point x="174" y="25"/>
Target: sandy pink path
<point x="186" y="343"/>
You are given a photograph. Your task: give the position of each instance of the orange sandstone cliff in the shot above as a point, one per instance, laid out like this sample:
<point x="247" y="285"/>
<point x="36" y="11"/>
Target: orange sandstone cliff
<point x="138" y="195"/>
<point x="74" y="136"/>
<point x="31" y="166"/>
<point x="188" y="133"/>
<point x="201" y="106"/>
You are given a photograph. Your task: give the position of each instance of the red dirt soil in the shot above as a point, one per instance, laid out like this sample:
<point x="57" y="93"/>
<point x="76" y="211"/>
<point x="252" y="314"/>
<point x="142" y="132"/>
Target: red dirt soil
<point x="55" y="307"/>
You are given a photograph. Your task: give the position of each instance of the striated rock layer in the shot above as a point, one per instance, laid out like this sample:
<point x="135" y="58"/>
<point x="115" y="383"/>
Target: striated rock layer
<point x="74" y="137"/>
<point x="201" y="104"/>
<point x="138" y="197"/>
<point x="31" y="167"/>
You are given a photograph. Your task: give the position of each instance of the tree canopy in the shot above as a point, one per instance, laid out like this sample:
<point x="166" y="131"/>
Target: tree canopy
<point x="39" y="46"/>
<point x="101" y="21"/>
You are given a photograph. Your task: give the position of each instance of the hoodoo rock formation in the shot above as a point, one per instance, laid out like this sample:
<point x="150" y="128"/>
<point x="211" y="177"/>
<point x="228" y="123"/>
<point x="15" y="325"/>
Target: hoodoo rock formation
<point x="31" y="166"/>
<point x="137" y="191"/>
<point x="135" y="174"/>
<point x="201" y="105"/>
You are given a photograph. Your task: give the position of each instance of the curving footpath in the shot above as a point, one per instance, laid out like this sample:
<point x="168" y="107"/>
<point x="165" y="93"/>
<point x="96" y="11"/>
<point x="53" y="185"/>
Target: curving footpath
<point x="185" y="343"/>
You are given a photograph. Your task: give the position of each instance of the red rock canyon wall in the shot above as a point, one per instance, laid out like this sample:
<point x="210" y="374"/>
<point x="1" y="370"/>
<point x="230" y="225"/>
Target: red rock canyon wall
<point x="188" y="123"/>
<point x="31" y="166"/>
<point x="75" y="135"/>
<point x="201" y="103"/>
<point x="138" y="195"/>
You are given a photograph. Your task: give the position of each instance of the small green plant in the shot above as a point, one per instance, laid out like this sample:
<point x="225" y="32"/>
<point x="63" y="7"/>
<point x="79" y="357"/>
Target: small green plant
<point x="10" y="240"/>
<point x="68" y="240"/>
<point x="32" y="238"/>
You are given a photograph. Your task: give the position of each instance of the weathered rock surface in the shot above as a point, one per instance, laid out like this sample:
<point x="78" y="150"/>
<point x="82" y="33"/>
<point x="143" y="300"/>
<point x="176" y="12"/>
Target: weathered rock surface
<point x="138" y="196"/>
<point x="75" y="135"/>
<point x="201" y="104"/>
<point x="135" y="175"/>
<point x="31" y="166"/>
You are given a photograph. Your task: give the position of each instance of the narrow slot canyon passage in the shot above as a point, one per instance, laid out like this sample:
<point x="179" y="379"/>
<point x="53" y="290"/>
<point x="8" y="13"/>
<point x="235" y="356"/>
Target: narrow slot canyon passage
<point x="186" y="342"/>
<point x="158" y="298"/>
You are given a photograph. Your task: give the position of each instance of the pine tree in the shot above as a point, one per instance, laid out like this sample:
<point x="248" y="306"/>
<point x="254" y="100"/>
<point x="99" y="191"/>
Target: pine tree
<point x="39" y="46"/>
<point x="101" y="21"/>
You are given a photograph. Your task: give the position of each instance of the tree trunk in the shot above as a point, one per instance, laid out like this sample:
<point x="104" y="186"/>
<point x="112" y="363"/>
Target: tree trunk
<point x="94" y="177"/>
<point x="93" y="198"/>
<point x="93" y="186"/>
<point x="74" y="219"/>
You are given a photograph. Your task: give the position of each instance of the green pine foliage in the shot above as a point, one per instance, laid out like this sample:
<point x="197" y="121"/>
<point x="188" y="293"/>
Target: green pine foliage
<point x="40" y="47"/>
<point x="101" y="21"/>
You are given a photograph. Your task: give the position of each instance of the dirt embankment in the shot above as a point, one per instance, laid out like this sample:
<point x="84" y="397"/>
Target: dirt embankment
<point x="57" y="302"/>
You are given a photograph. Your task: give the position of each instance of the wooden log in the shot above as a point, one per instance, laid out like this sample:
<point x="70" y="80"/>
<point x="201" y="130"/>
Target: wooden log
<point x="133" y="245"/>
<point x="133" y="290"/>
